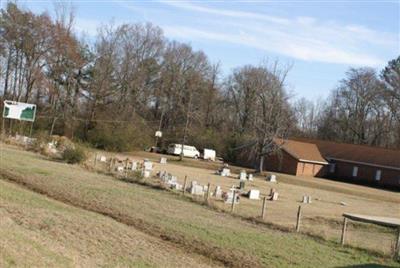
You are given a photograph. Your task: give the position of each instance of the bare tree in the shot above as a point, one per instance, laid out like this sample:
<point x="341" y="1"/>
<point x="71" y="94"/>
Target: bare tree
<point x="261" y="105"/>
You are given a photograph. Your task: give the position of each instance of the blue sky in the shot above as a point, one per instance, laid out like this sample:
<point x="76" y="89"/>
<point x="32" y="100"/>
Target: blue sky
<point x="322" y="39"/>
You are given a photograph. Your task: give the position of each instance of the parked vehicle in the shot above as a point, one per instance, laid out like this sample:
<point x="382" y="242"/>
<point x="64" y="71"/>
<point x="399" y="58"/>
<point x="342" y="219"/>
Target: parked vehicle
<point x="209" y="154"/>
<point x="188" y="151"/>
<point x="154" y="149"/>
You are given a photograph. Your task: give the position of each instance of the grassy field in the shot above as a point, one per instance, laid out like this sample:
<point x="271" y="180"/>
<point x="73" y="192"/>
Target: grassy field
<point x="156" y="215"/>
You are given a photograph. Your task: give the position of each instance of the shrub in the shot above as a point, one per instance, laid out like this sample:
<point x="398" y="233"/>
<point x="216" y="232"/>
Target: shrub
<point x="74" y="155"/>
<point x="39" y="143"/>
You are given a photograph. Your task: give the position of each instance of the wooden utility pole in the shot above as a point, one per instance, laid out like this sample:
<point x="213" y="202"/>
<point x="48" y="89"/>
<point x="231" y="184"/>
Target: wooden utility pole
<point x="298" y="219"/>
<point x="263" y="207"/>
<point x="343" y="231"/>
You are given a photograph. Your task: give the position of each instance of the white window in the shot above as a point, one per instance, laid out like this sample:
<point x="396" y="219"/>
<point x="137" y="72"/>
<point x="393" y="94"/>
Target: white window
<point x="355" y="171"/>
<point x="378" y="175"/>
<point x="332" y="167"/>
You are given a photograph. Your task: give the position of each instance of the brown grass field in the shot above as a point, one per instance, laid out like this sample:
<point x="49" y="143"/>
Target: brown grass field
<point x="54" y="214"/>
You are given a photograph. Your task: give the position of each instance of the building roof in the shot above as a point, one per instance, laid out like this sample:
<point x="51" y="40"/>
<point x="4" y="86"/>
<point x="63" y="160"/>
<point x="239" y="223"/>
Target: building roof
<point x="361" y="154"/>
<point x="302" y="151"/>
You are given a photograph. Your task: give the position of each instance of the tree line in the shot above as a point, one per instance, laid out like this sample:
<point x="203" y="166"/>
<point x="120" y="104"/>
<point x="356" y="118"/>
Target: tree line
<point x="115" y="91"/>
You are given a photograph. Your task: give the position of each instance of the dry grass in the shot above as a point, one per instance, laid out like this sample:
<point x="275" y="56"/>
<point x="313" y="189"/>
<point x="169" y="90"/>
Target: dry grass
<point x="186" y="225"/>
<point x="322" y="218"/>
<point x="39" y="232"/>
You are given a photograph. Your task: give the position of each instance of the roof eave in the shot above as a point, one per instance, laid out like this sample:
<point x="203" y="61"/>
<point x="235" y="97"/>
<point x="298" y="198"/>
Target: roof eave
<point x="363" y="163"/>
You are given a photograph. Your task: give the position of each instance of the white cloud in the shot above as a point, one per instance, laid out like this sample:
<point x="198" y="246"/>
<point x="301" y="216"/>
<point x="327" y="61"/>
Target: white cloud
<point x="226" y="12"/>
<point x="304" y="38"/>
<point x="308" y="50"/>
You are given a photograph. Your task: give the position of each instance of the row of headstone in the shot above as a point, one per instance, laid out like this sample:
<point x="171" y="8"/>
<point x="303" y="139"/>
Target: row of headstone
<point x="170" y="180"/>
<point x="197" y="189"/>
<point x="243" y="176"/>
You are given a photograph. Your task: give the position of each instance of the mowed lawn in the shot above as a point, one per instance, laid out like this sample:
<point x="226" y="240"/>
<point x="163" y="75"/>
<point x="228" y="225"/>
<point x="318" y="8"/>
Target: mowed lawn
<point x="165" y="217"/>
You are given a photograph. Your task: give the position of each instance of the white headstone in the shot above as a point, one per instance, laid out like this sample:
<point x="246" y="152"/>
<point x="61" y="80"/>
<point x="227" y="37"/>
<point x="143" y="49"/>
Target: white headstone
<point x="217" y="192"/>
<point x="177" y="186"/>
<point x="242" y="175"/>
<point x="163" y="160"/>
<point x="225" y="172"/>
<point x="229" y="198"/>
<point x="254" y="194"/>
<point x="197" y="190"/>
<point x="120" y="169"/>
<point x="148" y="165"/>
<point x="271" y="178"/>
<point x="146" y="173"/>
<point x="250" y="177"/>
<point x="275" y="196"/>
<point x="133" y="165"/>
<point x="103" y="158"/>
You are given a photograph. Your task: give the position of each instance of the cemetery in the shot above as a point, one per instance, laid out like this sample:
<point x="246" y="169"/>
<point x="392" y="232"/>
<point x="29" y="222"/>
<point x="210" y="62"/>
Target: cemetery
<point x="271" y="198"/>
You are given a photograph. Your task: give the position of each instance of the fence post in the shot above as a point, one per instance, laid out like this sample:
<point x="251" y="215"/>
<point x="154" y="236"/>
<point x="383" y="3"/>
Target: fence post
<point x="111" y="164"/>
<point x="95" y="159"/>
<point x="126" y="167"/>
<point x="298" y="219"/>
<point x="233" y="201"/>
<point x="263" y="207"/>
<point x="208" y="191"/>
<point x="397" y="248"/>
<point x="342" y="240"/>
<point x="184" y="185"/>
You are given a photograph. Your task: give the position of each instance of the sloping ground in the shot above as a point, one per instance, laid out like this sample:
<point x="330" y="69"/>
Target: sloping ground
<point x="36" y="231"/>
<point x="191" y="227"/>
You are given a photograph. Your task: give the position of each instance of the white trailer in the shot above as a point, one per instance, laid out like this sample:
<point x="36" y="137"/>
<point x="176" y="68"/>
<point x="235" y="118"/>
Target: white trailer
<point x="209" y="154"/>
<point x="188" y="151"/>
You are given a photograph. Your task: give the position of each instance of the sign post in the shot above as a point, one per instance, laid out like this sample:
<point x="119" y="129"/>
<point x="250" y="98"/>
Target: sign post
<point x="158" y="135"/>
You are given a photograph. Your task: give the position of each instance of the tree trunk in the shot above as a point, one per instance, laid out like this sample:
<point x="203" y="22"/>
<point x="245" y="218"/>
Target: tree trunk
<point x="261" y="166"/>
<point x="186" y="125"/>
<point x="7" y="74"/>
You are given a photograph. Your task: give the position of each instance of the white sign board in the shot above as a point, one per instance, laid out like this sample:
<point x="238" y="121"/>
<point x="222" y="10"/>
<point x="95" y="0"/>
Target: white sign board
<point x="158" y="134"/>
<point x="19" y="111"/>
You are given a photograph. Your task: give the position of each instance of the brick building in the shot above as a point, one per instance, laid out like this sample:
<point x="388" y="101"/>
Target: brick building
<point x="354" y="163"/>
<point x="297" y="158"/>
